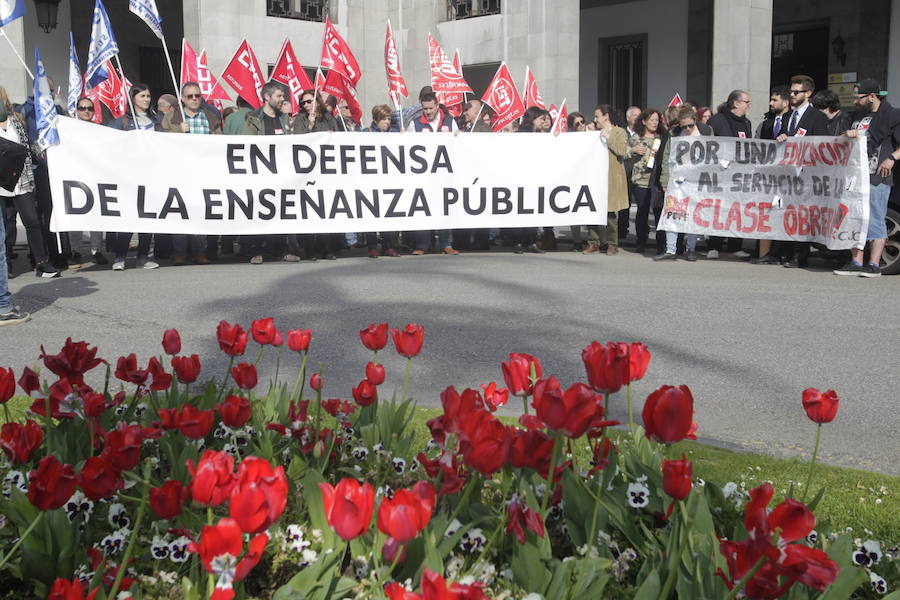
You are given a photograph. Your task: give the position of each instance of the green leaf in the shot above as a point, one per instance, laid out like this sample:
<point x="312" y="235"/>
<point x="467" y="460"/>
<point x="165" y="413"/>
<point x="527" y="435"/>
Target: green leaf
<point x="528" y="569"/>
<point x="650" y="588"/>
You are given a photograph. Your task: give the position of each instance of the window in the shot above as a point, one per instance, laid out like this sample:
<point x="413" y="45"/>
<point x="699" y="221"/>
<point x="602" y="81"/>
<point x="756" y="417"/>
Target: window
<point x="622" y="80"/>
<point x="305" y="10"/>
<point x="464" y="9"/>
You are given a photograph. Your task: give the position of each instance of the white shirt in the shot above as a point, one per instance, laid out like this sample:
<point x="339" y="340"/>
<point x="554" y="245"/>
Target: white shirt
<point x="11" y="135"/>
<point x="435" y="124"/>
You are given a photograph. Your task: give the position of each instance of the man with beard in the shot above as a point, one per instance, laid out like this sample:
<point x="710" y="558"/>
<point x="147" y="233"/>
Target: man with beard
<point x="880" y="123"/>
<point x="771" y="128"/>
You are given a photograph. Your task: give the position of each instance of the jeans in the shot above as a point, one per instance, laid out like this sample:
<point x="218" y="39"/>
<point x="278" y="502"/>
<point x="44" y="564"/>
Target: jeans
<point x="5" y="297"/>
<point x="180" y="244"/>
<point x="690" y="240"/>
<point x="389" y="240"/>
<point x="27" y="209"/>
<point x="121" y="240"/>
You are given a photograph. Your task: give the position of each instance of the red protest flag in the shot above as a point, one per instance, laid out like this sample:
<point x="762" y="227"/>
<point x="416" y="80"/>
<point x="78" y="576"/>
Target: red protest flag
<point x="336" y="55"/>
<point x="113" y="92"/>
<point x="341" y="89"/>
<point x="532" y="94"/>
<point x="289" y="71"/>
<point x="503" y="97"/>
<point x="396" y="83"/>
<point x="561" y="124"/>
<point x="188" y="63"/>
<point x="209" y="85"/>
<point x="444" y="76"/>
<point x="676" y="100"/>
<point x="244" y="75"/>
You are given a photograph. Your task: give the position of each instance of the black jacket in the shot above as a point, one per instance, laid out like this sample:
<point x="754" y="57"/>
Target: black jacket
<point x="882" y="138"/>
<point x="727" y="124"/>
<point x="767" y="129"/>
<point x="838" y="124"/>
<point x="813" y="122"/>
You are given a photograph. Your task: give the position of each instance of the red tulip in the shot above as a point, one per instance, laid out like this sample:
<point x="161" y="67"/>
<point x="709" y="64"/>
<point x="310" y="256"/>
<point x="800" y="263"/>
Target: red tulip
<point x="403" y="516"/>
<point x="570" y="412"/>
<point x="259" y="496"/>
<point x="316" y="382"/>
<point x="298" y="339"/>
<point x="607" y="367"/>
<point x="494" y="398"/>
<point x="98" y="479"/>
<point x="408" y="341"/>
<point x="638" y="361"/>
<point x="793" y="519"/>
<point x="95" y="404"/>
<point x="127" y="370"/>
<point x="169" y="418"/>
<point x="171" y="341"/>
<point x="244" y="375"/>
<point x="194" y="423"/>
<point x="517" y="373"/>
<point x="396" y="591"/>
<point x="226" y="538"/>
<point x="263" y="331"/>
<point x="186" y="368"/>
<point x="447" y="469"/>
<point x="232" y="338"/>
<point x="19" y="442"/>
<point x="820" y="407"/>
<point x="531" y="449"/>
<point x="375" y="373"/>
<point x="73" y="361"/>
<point x="817" y="570"/>
<point x="234" y="410"/>
<point x="677" y="477"/>
<point x="348" y="507"/>
<point x="30" y="384"/>
<point x="51" y="484"/>
<point x="63" y="589"/>
<point x="166" y="500"/>
<point x="157" y="378"/>
<point x="7" y="385"/>
<point x="374" y="337"/>
<point x="435" y="588"/>
<point x="669" y="413"/>
<point x="393" y="552"/>
<point x="213" y="478"/>
<point x="522" y="517"/>
<point x="365" y="393"/>
<point x="484" y="442"/>
<point x="123" y="447"/>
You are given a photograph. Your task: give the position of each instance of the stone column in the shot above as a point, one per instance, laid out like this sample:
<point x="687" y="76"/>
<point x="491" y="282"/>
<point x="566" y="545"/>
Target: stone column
<point x="12" y="75"/>
<point x="742" y="52"/>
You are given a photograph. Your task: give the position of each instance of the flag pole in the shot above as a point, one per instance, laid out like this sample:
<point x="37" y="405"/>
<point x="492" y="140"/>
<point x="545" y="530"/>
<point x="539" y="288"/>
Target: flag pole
<point x="172" y="74"/>
<point x="127" y="92"/>
<point x="478" y="118"/>
<point x="16" y="52"/>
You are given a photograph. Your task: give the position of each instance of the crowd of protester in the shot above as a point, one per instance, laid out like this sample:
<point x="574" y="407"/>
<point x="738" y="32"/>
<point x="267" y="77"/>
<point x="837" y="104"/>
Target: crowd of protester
<point x="638" y="140"/>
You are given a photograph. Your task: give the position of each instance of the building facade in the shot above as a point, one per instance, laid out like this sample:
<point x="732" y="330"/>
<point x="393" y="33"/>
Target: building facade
<point x="620" y="52"/>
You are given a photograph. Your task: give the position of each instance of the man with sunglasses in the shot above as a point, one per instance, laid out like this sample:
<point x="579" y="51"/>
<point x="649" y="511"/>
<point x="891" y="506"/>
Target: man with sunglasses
<point x="803" y="120"/>
<point x="879" y="122"/>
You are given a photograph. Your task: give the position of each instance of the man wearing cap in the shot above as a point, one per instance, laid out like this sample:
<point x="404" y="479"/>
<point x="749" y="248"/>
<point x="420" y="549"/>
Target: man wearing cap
<point x="879" y="122"/>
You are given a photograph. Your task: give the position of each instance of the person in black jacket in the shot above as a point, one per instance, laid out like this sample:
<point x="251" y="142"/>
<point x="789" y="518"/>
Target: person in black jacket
<point x="829" y="104"/>
<point x="731" y="121"/>
<point x="768" y="251"/>
<point x="803" y="120"/>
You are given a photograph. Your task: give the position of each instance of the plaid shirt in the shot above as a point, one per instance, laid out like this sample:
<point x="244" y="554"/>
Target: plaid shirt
<point x="198" y="123"/>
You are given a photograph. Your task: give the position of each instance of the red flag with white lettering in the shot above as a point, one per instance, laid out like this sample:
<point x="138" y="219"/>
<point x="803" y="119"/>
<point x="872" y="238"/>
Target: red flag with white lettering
<point x="244" y="75"/>
<point x="396" y="83"/>
<point x="532" y="94"/>
<point x="114" y="92"/>
<point x="336" y="55"/>
<point x="289" y="71"/>
<point x="503" y="96"/>
<point x="561" y="124"/>
<point x="341" y="89"/>
<point x="188" y="63"/>
<point x="209" y="85"/>
<point x="444" y="76"/>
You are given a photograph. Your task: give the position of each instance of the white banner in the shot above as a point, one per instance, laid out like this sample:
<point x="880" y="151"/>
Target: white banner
<point x="108" y="180"/>
<point x="812" y="189"/>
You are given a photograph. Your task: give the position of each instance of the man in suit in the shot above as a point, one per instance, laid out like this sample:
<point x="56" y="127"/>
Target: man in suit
<point x="772" y="127"/>
<point x="803" y="120"/>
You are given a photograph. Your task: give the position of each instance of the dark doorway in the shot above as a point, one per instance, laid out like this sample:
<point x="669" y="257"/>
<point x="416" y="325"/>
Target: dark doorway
<point x="622" y="76"/>
<point x="800" y="50"/>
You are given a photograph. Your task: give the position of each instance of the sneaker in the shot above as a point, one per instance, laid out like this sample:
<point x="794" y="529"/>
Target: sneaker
<point x="292" y="258"/>
<point x="518" y="249"/>
<point x="712" y="255"/>
<point x="256" y="260"/>
<point x="741" y="254"/>
<point x="147" y="264"/>
<point x="533" y="249"/>
<point x="45" y="270"/>
<point x="851" y="268"/>
<point x="870" y="270"/>
<point x="14" y="317"/>
<point x="99" y="259"/>
<point x="768" y="259"/>
<point x="75" y="260"/>
<point x="118" y="265"/>
<point x="665" y="256"/>
<point x="329" y="256"/>
<point x="390" y="252"/>
<point x="690" y="256"/>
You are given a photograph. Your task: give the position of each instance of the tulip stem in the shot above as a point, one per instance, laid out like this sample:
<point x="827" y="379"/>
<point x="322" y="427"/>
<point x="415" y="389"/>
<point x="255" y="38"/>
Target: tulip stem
<point x="277" y="365"/>
<point x="554" y="457"/>
<point x="406" y="378"/>
<point x="740" y="584"/>
<point x="812" y="465"/>
<point x="37" y="520"/>
<point x="525" y="403"/>
<point x="301" y="375"/>
<point x="47" y="424"/>
<point x="225" y="379"/>
<point x="461" y="503"/>
<point x="142" y="509"/>
<point x="487" y="546"/>
<point x="606" y="405"/>
<point x="630" y="414"/>
<point x="6" y="413"/>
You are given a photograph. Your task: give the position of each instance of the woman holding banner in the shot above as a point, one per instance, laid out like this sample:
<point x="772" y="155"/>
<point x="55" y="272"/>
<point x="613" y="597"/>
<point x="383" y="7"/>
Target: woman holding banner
<point x="536" y="120"/>
<point x="147" y="120"/>
<point x="647" y="141"/>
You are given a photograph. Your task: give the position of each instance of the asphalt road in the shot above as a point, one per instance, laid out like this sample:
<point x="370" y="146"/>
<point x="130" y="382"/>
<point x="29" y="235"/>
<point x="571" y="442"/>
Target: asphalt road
<point x="746" y="339"/>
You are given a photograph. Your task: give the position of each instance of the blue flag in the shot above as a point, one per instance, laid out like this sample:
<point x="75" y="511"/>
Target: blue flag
<point x="103" y="42"/>
<point x="75" y="81"/>
<point x="10" y="10"/>
<point x="44" y="107"/>
<point x="146" y="10"/>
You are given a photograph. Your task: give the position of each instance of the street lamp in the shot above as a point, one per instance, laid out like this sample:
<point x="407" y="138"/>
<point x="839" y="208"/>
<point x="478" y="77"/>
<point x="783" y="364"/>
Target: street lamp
<point x="46" y="11"/>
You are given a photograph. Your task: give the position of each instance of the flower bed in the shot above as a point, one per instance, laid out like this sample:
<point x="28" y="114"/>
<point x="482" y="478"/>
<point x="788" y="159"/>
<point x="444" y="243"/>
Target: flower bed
<point x="158" y="486"/>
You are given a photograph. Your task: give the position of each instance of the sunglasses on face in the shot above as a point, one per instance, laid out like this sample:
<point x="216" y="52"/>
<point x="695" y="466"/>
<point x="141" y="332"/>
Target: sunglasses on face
<point x="307" y="101"/>
<point x="795" y="92"/>
<point x="86" y="108"/>
<point x="192" y="96"/>
<point x="577" y="123"/>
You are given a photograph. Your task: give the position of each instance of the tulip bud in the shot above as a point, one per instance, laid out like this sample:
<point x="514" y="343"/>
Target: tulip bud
<point x="316" y="382"/>
<point x="319" y="449"/>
